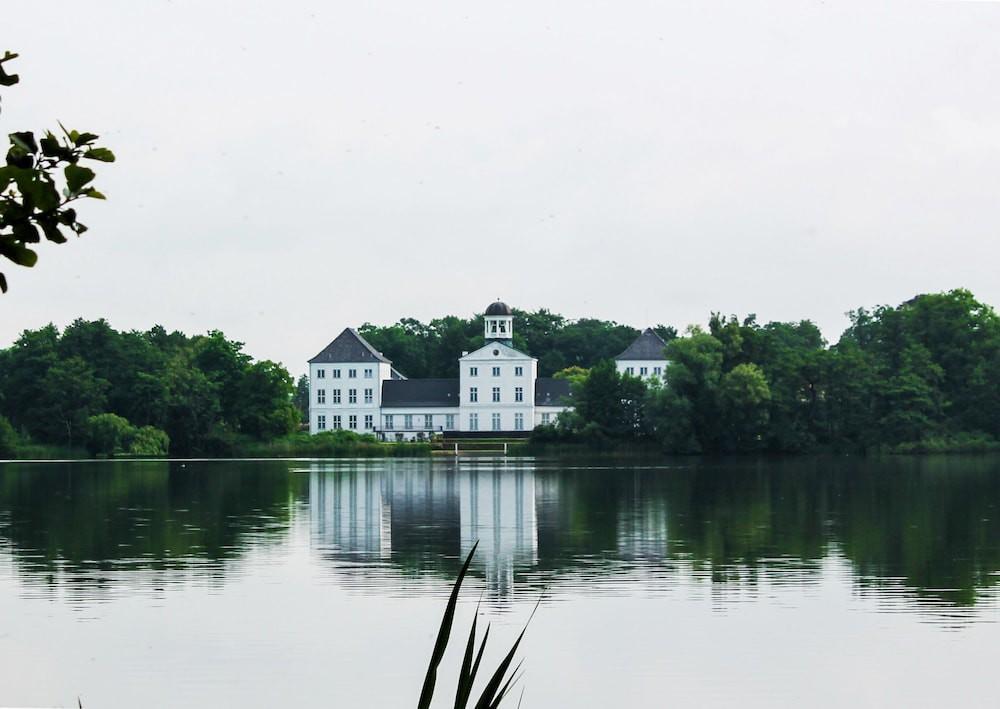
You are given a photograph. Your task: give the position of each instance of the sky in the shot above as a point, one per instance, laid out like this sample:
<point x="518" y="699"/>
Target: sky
<point x="289" y="169"/>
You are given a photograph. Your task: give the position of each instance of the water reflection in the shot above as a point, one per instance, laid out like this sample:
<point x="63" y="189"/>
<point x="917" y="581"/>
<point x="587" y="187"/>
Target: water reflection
<point x="921" y="532"/>
<point x="927" y="527"/>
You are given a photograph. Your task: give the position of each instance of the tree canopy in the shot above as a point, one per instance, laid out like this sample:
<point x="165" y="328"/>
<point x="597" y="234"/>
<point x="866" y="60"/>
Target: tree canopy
<point x="925" y="370"/>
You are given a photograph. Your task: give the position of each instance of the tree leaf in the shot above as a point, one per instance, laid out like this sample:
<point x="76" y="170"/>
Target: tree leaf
<point x="18" y="252"/>
<point x="25" y="141"/>
<point x="82" y="139"/>
<point x="77" y="177"/>
<point x="93" y="193"/>
<point x="102" y="154"/>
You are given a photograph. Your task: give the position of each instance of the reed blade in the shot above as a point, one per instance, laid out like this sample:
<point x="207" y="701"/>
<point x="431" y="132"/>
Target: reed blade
<point x="427" y="693"/>
<point x="465" y="676"/>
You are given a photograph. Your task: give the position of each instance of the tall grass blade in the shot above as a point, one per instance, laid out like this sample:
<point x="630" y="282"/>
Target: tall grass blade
<point x="465" y="675"/>
<point x="488" y="698"/>
<point x="427" y="693"/>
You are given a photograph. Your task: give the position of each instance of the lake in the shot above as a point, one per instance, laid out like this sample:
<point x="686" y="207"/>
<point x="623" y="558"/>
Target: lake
<point x="677" y="583"/>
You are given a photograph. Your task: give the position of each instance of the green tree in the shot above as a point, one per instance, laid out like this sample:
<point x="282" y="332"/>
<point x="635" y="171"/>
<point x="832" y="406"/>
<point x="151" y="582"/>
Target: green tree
<point x="266" y="408"/>
<point x="71" y="394"/>
<point x="42" y="178"/>
<point x="109" y="434"/>
<point x="745" y="397"/>
<point x="149" y="441"/>
<point x="301" y="398"/>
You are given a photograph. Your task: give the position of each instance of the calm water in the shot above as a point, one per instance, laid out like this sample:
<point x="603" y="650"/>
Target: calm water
<point x="298" y="583"/>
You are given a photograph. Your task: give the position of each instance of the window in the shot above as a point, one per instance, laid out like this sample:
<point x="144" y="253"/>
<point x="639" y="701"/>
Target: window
<point x="369" y="422"/>
<point x="321" y="422"/>
<point x="496" y="394"/>
<point x="352" y="422"/>
<point x="473" y="422"/>
<point x="321" y="374"/>
<point x="368" y="373"/>
<point x="496" y="371"/>
<point x="473" y="394"/>
<point x="643" y="371"/>
<point x="518" y="422"/>
<point x="321" y="396"/>
<point x="473" y="371"/>
<point x="518" y="371"/>
<point x="518" y="393"/>
<point x="657" y="371"/>
<point x="546" y="419"/>
<point x="352" y="374"/>
<point x="495" y="421"/>
<point x="493" y="326"/>
<point x="630" y="371"/>
<point x="449" y="422"/>
<point x="388" y="422"/>
<point x="336" y="422"/>
<point x="336" y="395"/>
<point x="352" y="396"/>
<point x="408" y="421"/>
<point x="368" y="396"/>
<point x="336" y="373"/>
<point x="429" y="421"/>
<point x="503" y="326"/>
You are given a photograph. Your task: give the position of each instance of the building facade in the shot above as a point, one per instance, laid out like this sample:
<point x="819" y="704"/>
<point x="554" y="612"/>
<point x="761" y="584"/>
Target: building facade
<point x="645" y="357"/>
<point x="497" y="392"/>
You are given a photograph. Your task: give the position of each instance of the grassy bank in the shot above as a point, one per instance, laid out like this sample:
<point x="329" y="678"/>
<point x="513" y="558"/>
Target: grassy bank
<point x="952" y="443"/>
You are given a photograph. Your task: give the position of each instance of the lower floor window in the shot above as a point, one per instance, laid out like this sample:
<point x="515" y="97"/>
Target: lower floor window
<point x="518" y="422"/>
<point x="429" y="421"/>
<point x="369" y="422"/>
<point x="449" y="422"/>
<point x="321" y="422"/>
<point x="336" y="422"/>
<point x="408" y="421"/>
<point x="388" y="422"/>
<point x="496" y="422"/>
<point x="546" y="419"/>
<point x="473" y="422"/>
<point x="352" y="422"/>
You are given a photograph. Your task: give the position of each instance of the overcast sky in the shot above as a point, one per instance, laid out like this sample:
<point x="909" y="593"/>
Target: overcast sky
<point x="289" y="169"/>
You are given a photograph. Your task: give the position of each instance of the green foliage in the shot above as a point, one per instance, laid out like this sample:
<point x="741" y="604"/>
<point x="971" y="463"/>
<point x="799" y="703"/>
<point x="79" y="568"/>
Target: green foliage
<point x="8" y="439"/>
<point x="433" y="349"/>
<point x="196" y="394"/>
<point x="111" y="435"/>
<point x="40" y="180"/>
<point x="921" y="376"/>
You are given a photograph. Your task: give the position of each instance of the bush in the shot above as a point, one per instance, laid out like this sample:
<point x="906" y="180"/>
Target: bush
<point x="8" y="439"/>
<point x="108" y="434"/>
<point x="149" y="441"/>
<point x="111" y="435"/>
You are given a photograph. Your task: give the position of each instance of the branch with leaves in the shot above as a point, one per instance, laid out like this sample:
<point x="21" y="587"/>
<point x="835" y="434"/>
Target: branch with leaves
<point x="41" y="180"/>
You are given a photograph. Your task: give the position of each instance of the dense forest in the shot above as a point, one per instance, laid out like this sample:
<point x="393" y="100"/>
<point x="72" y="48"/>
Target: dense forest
<point x="921" y="376"/>
<point x="143" y="393"/>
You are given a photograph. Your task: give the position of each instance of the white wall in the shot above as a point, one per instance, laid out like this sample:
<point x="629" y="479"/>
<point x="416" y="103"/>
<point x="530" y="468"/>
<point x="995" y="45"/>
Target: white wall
<point x="328" y="384"/>
<point x="491" y="355"/>
<point x="637" y="366"/>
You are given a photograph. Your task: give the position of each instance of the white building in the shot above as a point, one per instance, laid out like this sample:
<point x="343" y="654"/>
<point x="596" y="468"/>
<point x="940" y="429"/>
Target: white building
<point x="644" y="358"/>
<point x="498" y="391"/>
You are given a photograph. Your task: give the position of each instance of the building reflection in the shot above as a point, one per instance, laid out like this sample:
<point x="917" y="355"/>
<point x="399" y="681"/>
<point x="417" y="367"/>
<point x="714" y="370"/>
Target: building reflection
<point x="419" y="516"/>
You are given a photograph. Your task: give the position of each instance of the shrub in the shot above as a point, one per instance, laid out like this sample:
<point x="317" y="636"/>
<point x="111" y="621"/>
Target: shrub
<point x="149" y="441"/>
<point x="108" y="434"/>
<point x="8" y="439"/>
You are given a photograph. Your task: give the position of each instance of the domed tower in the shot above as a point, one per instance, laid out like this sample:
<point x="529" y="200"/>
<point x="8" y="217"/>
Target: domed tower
<point x="499" y="323"/>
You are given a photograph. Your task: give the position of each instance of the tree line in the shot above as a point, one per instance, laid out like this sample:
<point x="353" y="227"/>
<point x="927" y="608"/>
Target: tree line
<point x="432" y="349"/>
<point x="921" y="375"/>
<point x="143" y="393"/>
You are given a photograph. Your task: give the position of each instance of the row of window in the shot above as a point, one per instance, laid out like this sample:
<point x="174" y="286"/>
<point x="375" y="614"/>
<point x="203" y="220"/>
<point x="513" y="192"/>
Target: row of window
<point x="428" y="422"/>
<point x="352" y="396"/>
<point x="495" y="395"/>
<point x="474" y="371"/>
<point x="352" y="422"/>
<point x="351" y="373"/>
<point x="644" y="371"/>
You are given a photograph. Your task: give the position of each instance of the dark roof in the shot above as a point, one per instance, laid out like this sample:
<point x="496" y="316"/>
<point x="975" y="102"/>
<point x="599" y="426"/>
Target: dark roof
<point x="499" y="308"/>
<point x="419" y="392"/>
<point x="647" y="346"/>
<point x="552" y="392"/>
<point x="349" y="346"/>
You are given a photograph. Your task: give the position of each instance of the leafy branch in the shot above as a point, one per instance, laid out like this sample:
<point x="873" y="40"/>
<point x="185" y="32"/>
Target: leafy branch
<point x="39" y="183"/>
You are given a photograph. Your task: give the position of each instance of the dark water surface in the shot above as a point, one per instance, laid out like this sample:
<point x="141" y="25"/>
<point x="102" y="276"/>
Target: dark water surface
<point x="808" y="582"/>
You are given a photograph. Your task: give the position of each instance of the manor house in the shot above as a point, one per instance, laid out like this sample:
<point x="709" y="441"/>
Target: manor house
<point x="498" y="391"/>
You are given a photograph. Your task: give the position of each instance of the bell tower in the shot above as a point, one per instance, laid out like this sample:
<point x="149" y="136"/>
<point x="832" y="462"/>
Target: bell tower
<point x="499" y="323"/>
